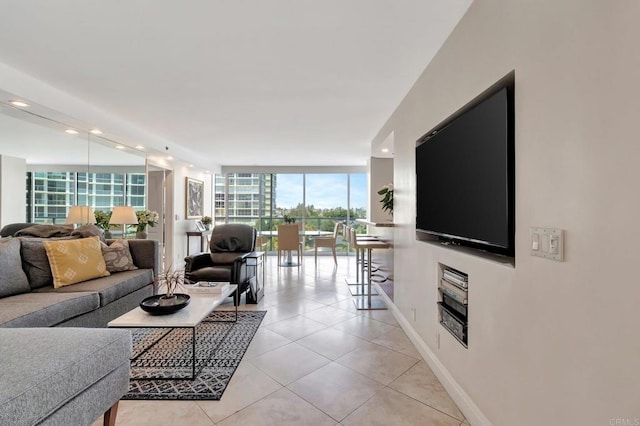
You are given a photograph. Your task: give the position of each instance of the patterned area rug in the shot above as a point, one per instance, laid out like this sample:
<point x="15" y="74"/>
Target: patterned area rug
<point x="164" y="353"/>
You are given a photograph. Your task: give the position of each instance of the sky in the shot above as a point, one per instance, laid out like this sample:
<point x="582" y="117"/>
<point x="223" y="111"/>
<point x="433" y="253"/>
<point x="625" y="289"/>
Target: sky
<point x="324" y="191"/>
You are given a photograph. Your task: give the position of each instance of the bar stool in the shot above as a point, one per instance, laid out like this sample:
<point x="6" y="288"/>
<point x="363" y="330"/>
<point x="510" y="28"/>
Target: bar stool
<point x="359" y="288"/>
<point x="364" y="302"/>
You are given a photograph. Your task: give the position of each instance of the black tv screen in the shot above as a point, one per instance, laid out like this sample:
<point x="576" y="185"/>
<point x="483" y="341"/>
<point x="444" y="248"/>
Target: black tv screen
<point x="465" y="175"/>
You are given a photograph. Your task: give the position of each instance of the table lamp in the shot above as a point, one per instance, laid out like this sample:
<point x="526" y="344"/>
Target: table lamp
<point x="123" y="215"/>
<point x="80" y="215"/>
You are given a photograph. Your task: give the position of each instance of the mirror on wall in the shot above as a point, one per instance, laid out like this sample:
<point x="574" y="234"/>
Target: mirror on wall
<point x="59" y="168"/>
<point x="41" y="141"/>
<point x="65" y="166"/>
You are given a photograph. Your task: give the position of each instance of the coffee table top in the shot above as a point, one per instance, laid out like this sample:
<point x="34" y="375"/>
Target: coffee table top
<point x="201" y="305"/>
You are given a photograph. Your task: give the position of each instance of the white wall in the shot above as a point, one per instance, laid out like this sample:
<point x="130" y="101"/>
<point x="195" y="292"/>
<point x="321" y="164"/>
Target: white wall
<point x="12" y="184"/>
<point x="181" y="225"/>
<point x="549" y="343"/>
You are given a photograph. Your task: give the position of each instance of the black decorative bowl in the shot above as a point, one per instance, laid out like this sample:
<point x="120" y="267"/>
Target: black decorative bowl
<point x="161" y="305"/>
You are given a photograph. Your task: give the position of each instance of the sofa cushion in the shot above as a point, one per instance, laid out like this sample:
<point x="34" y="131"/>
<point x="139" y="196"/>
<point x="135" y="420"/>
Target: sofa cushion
<point x="75" y="261"/>
<point x="221" y="273"/>
<point x="41" y="374"/>
<point x="109" y="288"/>
<point x="45" y="310"/>
<point x="117" y="256"/>
<point x="35" y="262"/>
<point x="13" y="280"/>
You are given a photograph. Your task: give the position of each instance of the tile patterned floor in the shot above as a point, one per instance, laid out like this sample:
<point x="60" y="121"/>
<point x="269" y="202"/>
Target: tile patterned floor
<point x="316" y="360"/>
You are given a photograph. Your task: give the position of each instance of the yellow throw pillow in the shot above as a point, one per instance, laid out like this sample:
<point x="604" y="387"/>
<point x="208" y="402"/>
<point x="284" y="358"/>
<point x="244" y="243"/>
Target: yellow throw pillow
<point x="74" y="261"/>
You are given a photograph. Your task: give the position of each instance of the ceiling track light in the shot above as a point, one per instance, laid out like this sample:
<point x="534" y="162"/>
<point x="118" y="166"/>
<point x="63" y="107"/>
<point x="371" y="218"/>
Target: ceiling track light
<point x="96" y="131"/>
<point x="71" y="131"/>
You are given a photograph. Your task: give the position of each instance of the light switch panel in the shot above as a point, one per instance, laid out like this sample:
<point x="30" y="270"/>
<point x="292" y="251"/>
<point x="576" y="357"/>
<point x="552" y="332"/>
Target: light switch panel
<point x="547" y="243"/>
<point x="535" y="241"/>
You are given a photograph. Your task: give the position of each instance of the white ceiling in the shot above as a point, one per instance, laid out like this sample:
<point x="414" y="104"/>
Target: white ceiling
<point x="240" y="82"/>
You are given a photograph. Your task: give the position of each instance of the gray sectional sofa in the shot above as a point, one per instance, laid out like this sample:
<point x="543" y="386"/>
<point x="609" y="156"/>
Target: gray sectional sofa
<point x="90" y="303"/>
<point x="62" y="376"/>
<point x="58" y="364"/>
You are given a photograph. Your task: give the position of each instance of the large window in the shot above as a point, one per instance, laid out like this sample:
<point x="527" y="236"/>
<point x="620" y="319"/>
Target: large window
<point x="317" y="200"/>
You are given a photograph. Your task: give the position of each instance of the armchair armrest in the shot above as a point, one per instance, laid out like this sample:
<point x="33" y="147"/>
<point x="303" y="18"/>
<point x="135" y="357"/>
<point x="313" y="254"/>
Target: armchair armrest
<point x="240" y="268"/>
<point x="197" y="261"/>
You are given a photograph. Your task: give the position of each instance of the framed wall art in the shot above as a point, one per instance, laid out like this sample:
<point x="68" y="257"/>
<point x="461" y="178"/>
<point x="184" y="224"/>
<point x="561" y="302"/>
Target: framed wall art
<point x="195" y="198"/>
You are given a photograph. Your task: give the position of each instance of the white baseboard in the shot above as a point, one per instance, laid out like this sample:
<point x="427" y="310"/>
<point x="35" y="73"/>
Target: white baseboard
<point x="466" y="405"/>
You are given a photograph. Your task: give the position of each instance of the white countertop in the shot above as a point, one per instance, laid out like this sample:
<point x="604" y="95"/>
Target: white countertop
<point x="378" y="224"/>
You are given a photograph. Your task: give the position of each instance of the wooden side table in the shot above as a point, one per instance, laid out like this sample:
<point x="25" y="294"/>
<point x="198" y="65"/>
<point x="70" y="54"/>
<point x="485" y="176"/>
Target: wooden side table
<point x="204" y="239"/>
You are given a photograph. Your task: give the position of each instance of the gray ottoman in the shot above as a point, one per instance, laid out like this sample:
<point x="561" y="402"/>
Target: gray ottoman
<point x="62" y="376"/>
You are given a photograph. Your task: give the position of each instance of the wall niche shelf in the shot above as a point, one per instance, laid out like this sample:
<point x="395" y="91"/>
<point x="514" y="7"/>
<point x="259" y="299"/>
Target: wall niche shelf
<point x="453" y="302"/>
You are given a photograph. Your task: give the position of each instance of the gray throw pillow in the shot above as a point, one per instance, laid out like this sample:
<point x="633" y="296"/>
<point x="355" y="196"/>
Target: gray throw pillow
<point x="12" y="278"/>
<point x="35" y="262"/>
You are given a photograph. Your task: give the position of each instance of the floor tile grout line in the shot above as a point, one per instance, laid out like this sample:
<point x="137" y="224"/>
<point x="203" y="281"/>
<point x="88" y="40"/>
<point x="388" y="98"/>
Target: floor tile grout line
<point x="357" y="372"/>
<point x="421" y="402"/>
<point x="205" y="413"/>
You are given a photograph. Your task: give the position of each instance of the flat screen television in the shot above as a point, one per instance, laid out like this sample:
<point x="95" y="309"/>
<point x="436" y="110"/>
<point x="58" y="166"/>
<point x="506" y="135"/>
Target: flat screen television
<point x="465" y="180"/>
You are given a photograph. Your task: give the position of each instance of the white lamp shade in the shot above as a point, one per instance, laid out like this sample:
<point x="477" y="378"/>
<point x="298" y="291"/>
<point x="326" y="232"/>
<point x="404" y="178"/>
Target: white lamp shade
<point x="80" y="214"/>
<point x="123" y="215"/>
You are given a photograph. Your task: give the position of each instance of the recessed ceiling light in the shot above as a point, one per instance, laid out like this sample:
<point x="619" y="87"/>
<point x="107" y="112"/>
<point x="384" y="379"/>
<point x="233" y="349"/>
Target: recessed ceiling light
<point x="385" y="150"/>
<point x="96" y="131"/>
<point x="119" y="147"/>
<point x="190" y="165"/>
<point x="19" y="104"/>
<point x="169" y="158"/>
<point x="139" y="147"/>
<point x="71" y="131"/>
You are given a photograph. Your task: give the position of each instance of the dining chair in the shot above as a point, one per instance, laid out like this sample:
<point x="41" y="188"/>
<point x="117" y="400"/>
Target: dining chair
<point x="328" y="241"/>
<point x="262" y="244"/>
<point x="289" y="240"/>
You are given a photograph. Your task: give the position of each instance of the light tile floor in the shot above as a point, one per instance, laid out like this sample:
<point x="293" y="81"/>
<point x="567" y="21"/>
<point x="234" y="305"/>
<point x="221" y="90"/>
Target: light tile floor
<point x="315" y="360"/>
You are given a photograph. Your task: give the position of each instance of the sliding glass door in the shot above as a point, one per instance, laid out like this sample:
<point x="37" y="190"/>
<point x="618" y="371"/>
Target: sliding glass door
<point x="315" y="200"/>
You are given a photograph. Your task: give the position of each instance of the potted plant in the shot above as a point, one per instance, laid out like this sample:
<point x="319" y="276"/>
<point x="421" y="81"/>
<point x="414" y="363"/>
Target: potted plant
<point x="102" y="222"/>
<point x="207" y="221"/>
<point x="289" y="219"/>
<point x="387" y="200"/>
<point x="145" y="218"/>
<point x="169" y="281"/>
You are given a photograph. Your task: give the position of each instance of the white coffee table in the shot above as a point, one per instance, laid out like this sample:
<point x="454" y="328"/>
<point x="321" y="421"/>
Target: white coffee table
<point x="200" y="306"/>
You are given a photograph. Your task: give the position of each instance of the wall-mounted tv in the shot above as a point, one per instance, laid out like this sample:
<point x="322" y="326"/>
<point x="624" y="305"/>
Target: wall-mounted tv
<point x="465" y="180"/>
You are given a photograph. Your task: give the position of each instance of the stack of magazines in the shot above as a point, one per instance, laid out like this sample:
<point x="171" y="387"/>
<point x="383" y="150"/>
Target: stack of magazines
<point x="207" y="287"/>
